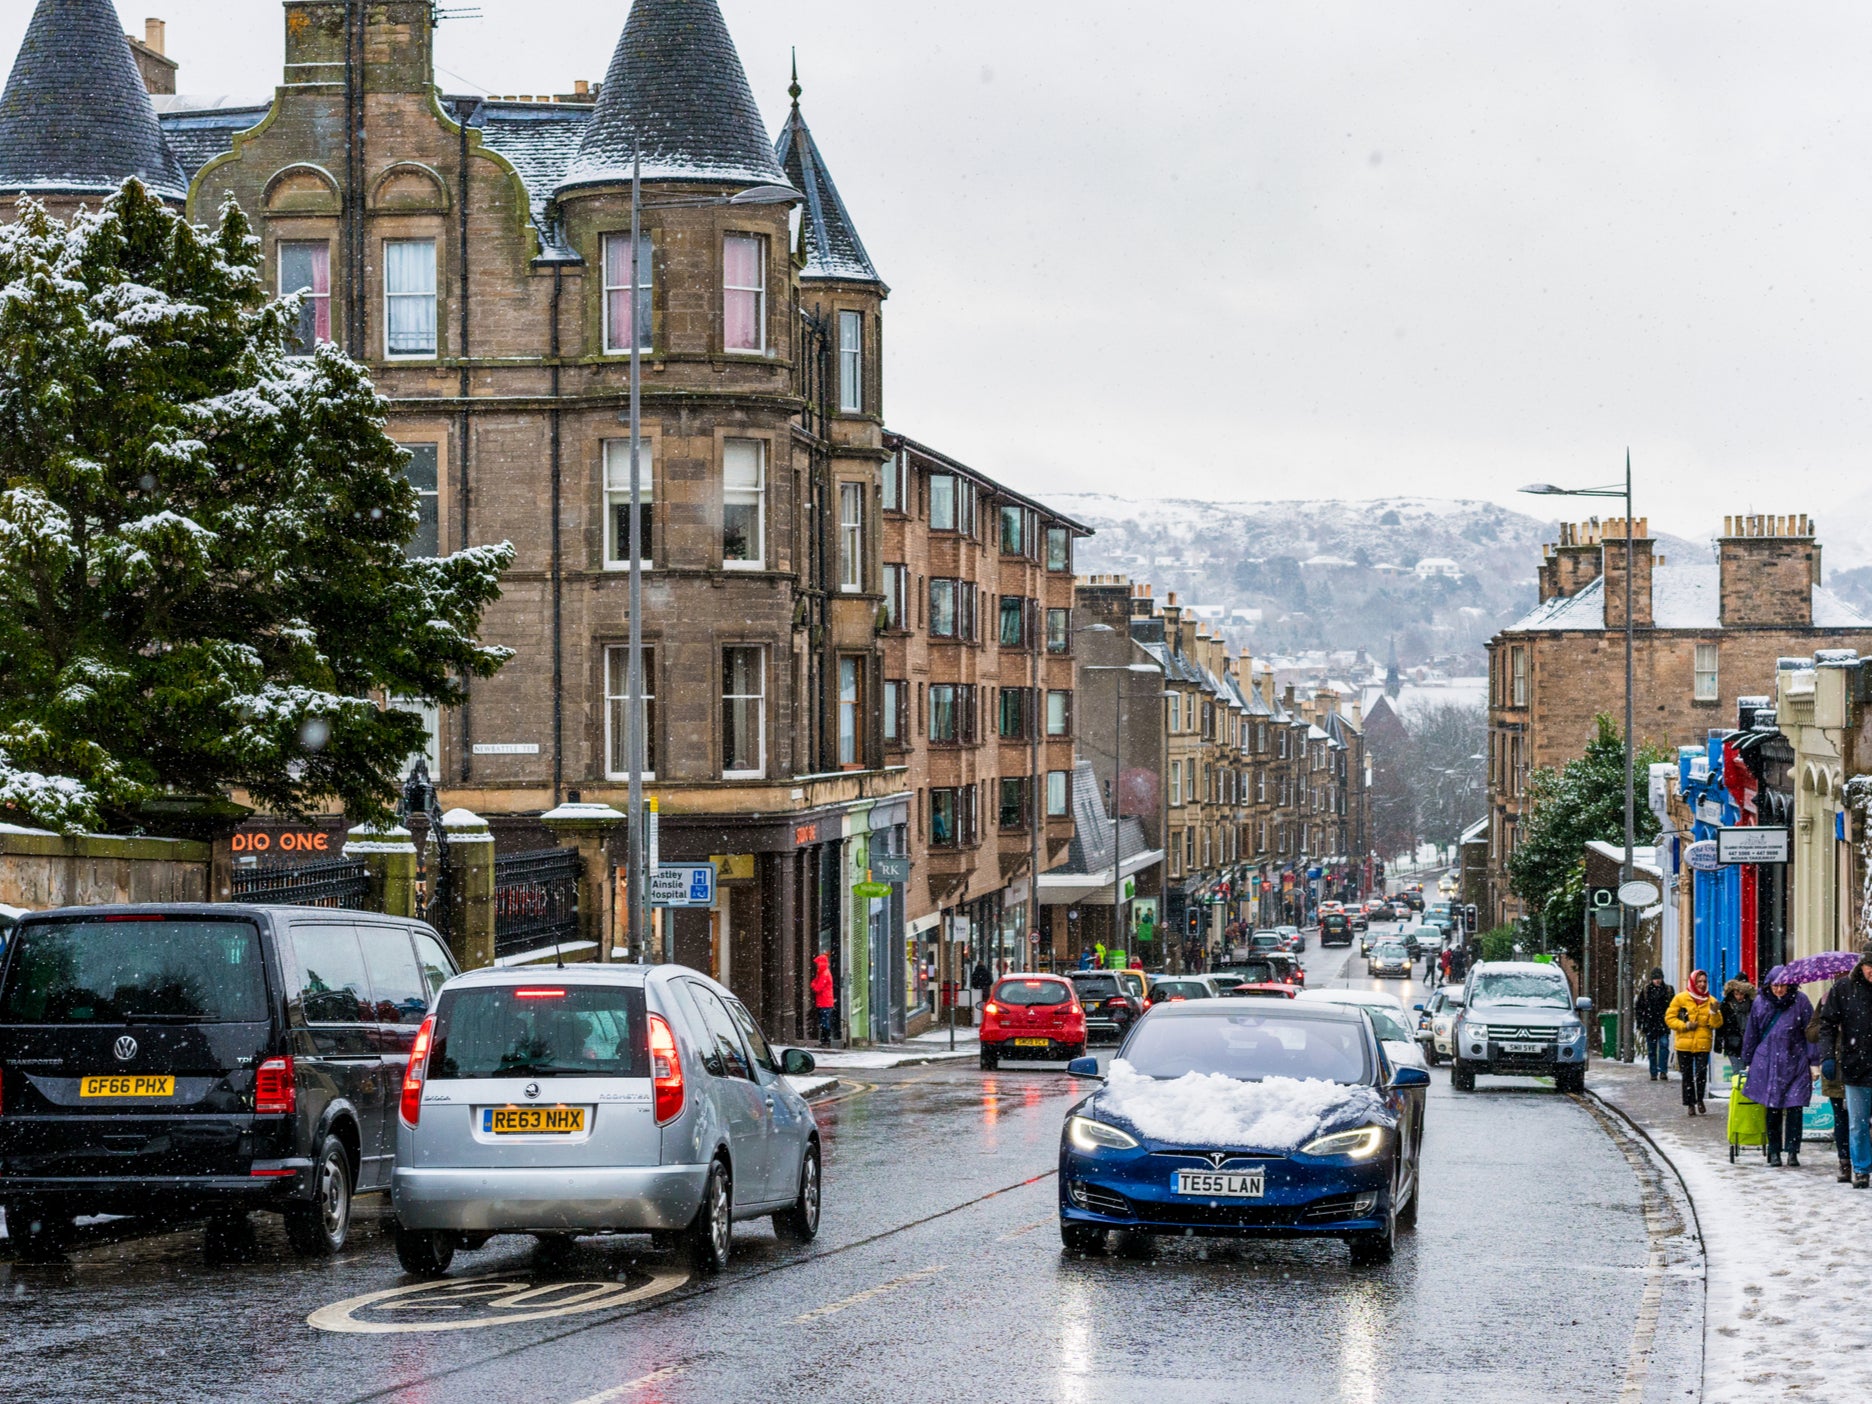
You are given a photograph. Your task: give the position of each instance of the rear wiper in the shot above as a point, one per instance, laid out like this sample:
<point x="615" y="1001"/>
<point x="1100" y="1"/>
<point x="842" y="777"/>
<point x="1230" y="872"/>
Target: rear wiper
<point x="535" y="1070"/>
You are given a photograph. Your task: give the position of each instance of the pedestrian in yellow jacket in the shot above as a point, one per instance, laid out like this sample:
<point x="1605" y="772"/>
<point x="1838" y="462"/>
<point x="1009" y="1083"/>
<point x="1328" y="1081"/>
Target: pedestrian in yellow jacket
<point x="1693" y="1017"/>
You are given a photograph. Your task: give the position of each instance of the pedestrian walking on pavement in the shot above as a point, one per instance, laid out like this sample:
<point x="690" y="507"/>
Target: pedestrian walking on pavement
<point x="1780" y="1073"/>
<point x="981" y="981"/>
<point x="1648" y="1009"/>
<point x="1846" y="1014"/>
<point x="1833" y="1089"/>
<point x="822" y="997"/>
<point x="1738" y="999"/>
<point x="1694" y="1018"/>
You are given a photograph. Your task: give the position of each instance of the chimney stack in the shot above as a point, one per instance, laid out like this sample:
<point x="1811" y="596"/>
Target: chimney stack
<point x="1612" y="554"/>
<point x="1769" y="566"/>
<point x="154" y="65"/>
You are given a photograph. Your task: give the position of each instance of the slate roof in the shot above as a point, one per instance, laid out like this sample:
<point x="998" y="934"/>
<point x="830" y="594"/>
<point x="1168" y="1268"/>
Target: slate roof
<point x="676" y="92"/>
<point x="75" y="117"/>
<point x="1092" y="829"/>
<point x="833" y="248"/>
<point x="198" y="129"/>
<point x="1682" y="597"/>
<point x="541" y="139"/>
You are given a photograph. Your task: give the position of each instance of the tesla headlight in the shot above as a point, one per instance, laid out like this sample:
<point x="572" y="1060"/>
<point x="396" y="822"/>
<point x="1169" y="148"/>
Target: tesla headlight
<point x="1361" y="1144"/>
<point x="1089" y="1135"/>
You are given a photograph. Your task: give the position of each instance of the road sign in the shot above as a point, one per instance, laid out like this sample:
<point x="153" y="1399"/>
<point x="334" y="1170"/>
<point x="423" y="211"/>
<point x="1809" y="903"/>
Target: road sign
<point x="690" y="885"/>
<point x="871" y="889"/>
<point x="1639" y="893"/>
<point x="889" y="869"/>
<point x="1700" y="857"/>
<point x="1752" y="845"/>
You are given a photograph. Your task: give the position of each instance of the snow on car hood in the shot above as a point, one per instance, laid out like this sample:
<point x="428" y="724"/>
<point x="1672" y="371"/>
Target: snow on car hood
<point x="1212" y="1109"/>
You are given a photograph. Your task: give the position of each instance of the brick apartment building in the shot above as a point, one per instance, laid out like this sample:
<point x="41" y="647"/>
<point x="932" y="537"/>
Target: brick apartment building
<point x="474" y="254"/>
<point x="1706" y="634"/>
<point x="978" y="699"/>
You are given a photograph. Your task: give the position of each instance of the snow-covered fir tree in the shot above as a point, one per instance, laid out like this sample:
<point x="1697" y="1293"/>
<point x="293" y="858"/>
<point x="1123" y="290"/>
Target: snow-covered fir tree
<point x="203" y="583"/>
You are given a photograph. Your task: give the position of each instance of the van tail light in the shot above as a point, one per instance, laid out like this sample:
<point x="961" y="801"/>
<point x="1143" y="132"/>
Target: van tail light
<point x="274" y="1092"/>
<point x="666" y="1074"/>
<point x="416" y="1072"/>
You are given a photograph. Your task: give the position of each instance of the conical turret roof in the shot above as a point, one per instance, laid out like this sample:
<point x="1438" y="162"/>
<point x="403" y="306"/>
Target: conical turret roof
<point x="75" y="117"/>
<point x="677" y="93"/>
<point x="833" y="248"/>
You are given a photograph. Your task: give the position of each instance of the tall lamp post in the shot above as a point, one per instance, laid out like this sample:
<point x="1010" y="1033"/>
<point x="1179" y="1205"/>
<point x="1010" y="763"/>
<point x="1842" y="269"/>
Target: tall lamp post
<point x="1626" y="870"/>
<point x="1118" y="672"/>
<point x="638" y="853"/>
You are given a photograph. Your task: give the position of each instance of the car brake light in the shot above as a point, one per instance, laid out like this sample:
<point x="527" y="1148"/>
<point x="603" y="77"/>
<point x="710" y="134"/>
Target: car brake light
<point x="274" y="1092"/>
<point x="990" y="1009"/>
<point x="666" y="1074"/>
<point x="417" y="1070"/>
<point x="539" y="994"/>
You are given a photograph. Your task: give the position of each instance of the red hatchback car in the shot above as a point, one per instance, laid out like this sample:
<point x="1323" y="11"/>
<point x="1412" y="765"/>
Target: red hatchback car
<point x="1032" y="1016"/>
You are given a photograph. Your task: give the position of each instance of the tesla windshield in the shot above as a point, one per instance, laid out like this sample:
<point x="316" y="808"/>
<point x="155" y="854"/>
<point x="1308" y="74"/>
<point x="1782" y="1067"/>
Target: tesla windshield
<point x="1248" y="1046"/>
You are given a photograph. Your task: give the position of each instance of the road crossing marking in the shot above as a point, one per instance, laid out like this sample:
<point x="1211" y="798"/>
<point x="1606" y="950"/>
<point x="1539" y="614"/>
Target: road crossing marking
<point x="605" y="1396"/>
<point x="896" y="1284"/>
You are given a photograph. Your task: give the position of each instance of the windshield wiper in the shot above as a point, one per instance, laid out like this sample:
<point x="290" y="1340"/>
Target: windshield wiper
<point x="538" y="1070"/>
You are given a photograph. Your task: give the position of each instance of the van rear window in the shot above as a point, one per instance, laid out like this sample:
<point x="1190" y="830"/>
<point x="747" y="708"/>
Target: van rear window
<point x="113" y="972"/>
<point x="542" y="1030"/>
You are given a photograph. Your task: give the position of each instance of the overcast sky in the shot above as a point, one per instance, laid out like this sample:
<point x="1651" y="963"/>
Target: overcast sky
<point x="1223" y="248"/>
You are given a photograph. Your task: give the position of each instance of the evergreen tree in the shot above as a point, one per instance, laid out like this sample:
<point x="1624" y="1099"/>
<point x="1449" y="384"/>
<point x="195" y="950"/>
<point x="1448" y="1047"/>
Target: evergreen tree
<point x="1565" y="809"/>
<point x="203" y="584"/>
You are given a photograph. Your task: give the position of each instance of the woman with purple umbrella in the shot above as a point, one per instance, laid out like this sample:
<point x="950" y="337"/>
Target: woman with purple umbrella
<point x="1846" y="1014"/>
<point x="1780" y="1073"/>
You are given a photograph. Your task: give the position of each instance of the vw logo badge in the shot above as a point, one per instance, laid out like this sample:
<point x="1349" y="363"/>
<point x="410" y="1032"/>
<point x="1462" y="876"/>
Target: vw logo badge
<point x="125" y="1048"/>
<point x="532" y="1089"/>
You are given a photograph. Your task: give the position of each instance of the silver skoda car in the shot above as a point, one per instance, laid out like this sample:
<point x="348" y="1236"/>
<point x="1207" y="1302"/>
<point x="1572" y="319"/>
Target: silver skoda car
<point x="598" y="1099"/>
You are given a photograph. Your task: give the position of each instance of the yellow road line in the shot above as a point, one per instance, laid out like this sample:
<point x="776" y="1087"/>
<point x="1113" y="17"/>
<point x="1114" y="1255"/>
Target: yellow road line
<point x="896" y="1284"/>
<point x="605" y="1396"/>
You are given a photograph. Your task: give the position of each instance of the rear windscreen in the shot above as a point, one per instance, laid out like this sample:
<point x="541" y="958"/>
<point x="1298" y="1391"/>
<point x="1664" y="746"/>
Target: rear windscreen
<point x="113" y="972"/>
<point x="540" y="1031"/>
<point x="1098" y="985"/>
<point x="1032" y="992"/>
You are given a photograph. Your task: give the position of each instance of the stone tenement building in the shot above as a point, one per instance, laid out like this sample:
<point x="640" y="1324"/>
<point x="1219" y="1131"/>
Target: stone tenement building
<point x="474" y="253"/>
<point x="978" y="699"/>
<point x="1250" y="806"/>
<point x="1706" y="634"/>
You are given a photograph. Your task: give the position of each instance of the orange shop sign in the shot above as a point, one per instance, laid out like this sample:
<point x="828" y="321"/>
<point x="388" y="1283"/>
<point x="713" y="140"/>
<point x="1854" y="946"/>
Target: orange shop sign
<point x="284" y="841"/>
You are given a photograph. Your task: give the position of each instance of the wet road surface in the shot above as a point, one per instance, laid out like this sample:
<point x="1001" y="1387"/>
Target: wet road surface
<point x="1549" y="1264"/>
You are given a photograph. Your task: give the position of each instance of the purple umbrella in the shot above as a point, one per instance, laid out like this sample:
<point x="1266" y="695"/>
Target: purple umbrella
<point x="1828" y="965"/>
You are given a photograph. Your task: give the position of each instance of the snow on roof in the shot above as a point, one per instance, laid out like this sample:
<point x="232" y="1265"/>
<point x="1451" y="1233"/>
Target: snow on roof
<point x="1682" y="597"/>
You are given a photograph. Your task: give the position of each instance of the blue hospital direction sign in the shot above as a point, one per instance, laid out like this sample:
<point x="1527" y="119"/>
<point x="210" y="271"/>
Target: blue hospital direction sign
<point x="687" y="885"/>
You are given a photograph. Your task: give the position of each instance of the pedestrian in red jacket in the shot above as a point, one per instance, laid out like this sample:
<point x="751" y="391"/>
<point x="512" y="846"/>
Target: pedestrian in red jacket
<point x="822" y="997"/>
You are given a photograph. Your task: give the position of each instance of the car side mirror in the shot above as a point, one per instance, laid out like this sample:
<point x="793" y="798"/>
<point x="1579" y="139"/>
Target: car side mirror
<point x="1410" y="1077"/>
<point x="1087" y="1068"/>
<point x="797" y="1062"/>
<point x="1583" y="1005"/>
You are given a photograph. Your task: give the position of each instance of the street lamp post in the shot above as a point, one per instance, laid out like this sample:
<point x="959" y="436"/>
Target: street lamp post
<point x="1118" y="671"/>
<point x="637" y="856"/>
<point x="1627" y="869"/>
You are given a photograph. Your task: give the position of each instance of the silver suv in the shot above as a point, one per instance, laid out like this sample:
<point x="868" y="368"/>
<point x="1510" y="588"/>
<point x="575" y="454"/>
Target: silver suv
<point x="598" y="1099"/>
<point x="1520" y="1017"/>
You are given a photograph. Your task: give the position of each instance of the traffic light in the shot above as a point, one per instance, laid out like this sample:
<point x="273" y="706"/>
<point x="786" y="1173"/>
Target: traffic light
<point x="1192" y="920"/>
<point x="1471" y="918"/>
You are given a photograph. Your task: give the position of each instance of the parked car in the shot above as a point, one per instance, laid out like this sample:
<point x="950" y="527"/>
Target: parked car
<point x="1387" y="959"/>
<point x="1224" y="980"/>
<point x="1336" y="929"/>
<point x="1520" y="1017"/>
<point x="599" y="1099"/>
<point x="1350" y="1170"/>
<point x="189" y="1060"/>
<point x="1259" y="989"/>
<point x="1109" y="1008"/>
<point x="1032" y="1016"/>
<point x="1436" y="1020"/>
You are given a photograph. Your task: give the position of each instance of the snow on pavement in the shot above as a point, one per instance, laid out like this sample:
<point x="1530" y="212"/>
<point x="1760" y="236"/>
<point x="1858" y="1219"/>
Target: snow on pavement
<point x="1789" y="1277"/>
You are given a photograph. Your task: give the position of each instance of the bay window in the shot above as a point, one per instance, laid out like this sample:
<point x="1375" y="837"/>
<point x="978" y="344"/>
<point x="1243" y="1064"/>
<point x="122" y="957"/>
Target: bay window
<point x="744" y="713"/>
<point x="617" y="485"/>
<point x="851" y="537"/>
<point x="617" y="700"/>
<point x="624" y="315"/>
<point x="851" y="362"/>
<point x="744" y="293"/>
<point x="744" y="503"/>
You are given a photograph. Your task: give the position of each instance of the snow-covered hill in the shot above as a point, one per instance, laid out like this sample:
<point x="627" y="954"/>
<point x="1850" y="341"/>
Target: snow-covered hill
<point x="1438" y="575"/>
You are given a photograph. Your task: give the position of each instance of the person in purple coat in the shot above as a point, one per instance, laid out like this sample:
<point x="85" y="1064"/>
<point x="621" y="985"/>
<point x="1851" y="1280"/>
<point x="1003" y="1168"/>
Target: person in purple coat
<point x="1780" y="1071"/>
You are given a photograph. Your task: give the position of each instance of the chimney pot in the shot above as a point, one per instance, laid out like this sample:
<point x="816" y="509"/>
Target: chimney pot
<point x="153" y="34"/>
<point x="582" y="86"/>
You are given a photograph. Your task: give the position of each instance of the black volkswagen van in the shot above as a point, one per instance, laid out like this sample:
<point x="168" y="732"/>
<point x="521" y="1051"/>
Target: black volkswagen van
<point x="181" y="1061"/>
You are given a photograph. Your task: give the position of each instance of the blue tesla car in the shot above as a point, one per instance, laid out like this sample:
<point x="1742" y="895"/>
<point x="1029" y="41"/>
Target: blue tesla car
<point x="1245" y="1118"/>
